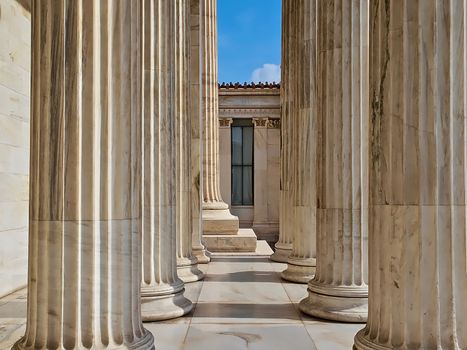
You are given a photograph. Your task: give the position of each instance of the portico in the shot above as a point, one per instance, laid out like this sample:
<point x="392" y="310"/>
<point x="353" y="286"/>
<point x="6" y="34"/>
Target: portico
<point x="124" y="179"/>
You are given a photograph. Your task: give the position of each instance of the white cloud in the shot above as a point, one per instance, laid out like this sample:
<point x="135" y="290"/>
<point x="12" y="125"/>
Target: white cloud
<point x="267" y="73"/>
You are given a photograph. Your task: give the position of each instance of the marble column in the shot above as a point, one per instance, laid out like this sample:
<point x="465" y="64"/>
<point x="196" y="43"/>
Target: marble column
<point x="84" y="221"/>
<point x="260" y="153"/>
<point x="197" y="125"/>
<point x="162" y="290"/>
<point x="417" y="212"/>
<point x="283" y="247"/>
<point x="339" y="290"/>
<point x="303" y="131"/>
<point x="217" y="218"/>
<point x="187" y="263"/>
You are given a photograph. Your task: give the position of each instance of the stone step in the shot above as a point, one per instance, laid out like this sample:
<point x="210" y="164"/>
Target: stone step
<point x="244" y="241"/>
<point x="262" y="250"/>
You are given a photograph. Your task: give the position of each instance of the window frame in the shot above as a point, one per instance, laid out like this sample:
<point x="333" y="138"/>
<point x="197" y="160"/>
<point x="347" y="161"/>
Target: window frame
<point x="243" y="123"/>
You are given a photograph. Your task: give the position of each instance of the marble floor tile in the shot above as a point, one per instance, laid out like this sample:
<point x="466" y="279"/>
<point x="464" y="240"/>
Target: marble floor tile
<point x="10" y="334"/>
<point x="168" y="336"/>
<point x="251" y="337"/>
<point x="278" y="267"/>
<point x="332" y="336"/>
<point x="242" y="304"/>
<point x="244" y="292"/>
<point x="193" y="290"/>
<point x="15" y="309"/>
<point x="224" y="313"/>
<point x="295" y="291"/>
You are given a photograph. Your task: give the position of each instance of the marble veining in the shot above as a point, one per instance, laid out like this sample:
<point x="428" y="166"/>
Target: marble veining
<point x="84" y="222"/>
<point x="162" y="289"/>
<point x="197" y="125"/>
<point x="417" y="216"/>
<point x="187" y="263"/>
<point x="339" y="290"/>
<point x="302" y="126"/>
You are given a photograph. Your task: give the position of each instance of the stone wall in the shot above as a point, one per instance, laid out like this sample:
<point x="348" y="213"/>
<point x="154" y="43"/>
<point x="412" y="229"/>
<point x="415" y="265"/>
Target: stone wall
<point x="15" y="52"/>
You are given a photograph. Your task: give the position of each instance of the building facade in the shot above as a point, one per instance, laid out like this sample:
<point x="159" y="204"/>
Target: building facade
<point x="249" y="147"/>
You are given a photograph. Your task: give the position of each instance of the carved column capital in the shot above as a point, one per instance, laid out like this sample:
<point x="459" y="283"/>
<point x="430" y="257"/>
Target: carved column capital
<point x="225" y="122"/>
<point x="260" y="122"/>
<point x="274" y="123"/>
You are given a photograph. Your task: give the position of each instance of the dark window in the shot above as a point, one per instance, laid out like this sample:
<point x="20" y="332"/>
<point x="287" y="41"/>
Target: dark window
<point x="242" y="162"/>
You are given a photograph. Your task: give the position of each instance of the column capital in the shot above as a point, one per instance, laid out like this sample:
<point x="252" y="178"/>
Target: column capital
<point x="260" y="122"/>
<point x="274" y="123"/>
<point x="225" y="122"/>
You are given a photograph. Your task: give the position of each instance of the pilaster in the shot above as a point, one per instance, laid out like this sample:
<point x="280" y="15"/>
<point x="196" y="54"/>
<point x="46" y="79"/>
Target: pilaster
<point x="225" y="157"/>
<point x="260" y="215"/>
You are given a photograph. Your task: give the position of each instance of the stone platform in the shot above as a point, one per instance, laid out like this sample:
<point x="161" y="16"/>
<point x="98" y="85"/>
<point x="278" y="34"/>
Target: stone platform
<point x="244" y="241"/>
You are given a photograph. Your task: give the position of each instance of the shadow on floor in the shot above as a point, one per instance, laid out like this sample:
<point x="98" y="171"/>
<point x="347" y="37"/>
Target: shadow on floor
<point x="231" y="259"/>
<point x="245" y="276"/>
<point x="252" y="311"/>
<point x="14" y="309"/>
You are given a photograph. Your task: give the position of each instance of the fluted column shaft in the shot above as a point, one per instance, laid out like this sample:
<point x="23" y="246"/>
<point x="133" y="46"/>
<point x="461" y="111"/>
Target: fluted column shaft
<point x="197" y="124"/>
<point x="283" y="247"/>
<point x="417" y="212"/>
<point x="84" y="228"/>
<point x="303" y="148"/>
<point x="162" y="290"/>
<point x="187" y="264"/>
<point x="217" y="218"/>
<point x="339" y="290"/>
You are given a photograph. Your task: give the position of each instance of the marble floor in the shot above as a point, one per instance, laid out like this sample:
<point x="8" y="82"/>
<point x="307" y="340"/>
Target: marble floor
<point x="241" y="304"/>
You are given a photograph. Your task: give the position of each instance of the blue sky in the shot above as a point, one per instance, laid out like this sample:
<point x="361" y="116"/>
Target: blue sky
<point x="249" y="40"/>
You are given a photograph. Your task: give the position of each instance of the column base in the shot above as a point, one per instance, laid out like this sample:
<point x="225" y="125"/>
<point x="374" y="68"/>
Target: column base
<point x="219" y="222"/>
<point x="144" y="343"/>
<point x="188" y="271"/>
<point x="335" y="308"/>
<point x="362" y="343"/>
<point x="299" y="270"/>
<point x="282" y="252"/>
<point x="164" y="304"/>
<point x="202" y="255"/>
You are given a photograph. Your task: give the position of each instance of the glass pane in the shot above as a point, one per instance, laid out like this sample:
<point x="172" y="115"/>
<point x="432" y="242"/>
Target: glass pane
<point x="236" y="185"/>
<point x="247" y="146"/>
<point x="236" y="146"/>
<point x="242" y="122"/>
<point x="248" y="185"/>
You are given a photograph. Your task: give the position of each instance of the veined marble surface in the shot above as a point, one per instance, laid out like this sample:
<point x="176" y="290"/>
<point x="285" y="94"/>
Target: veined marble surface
<point x="242" y="304"/>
